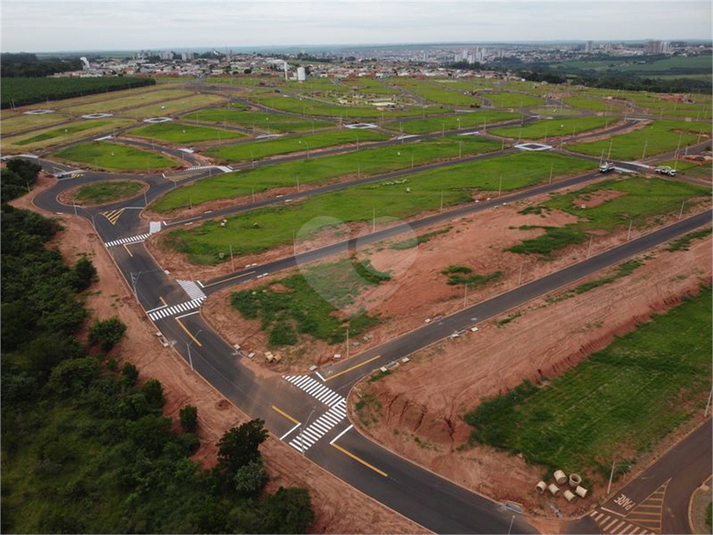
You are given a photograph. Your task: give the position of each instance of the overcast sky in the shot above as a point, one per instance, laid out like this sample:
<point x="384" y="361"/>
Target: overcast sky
<point x="57" y="25"/>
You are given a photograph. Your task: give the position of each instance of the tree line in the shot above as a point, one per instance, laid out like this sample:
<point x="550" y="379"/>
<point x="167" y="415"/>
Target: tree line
<point x="27" y="65"/>
<point x="86" y="448"/>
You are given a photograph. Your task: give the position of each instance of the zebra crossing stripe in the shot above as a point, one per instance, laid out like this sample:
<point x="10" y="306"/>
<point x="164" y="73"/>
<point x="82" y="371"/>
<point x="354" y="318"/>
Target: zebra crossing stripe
<point x="192" y="289"/>
<point x="321" y="426"/>
<point x="617" y="525"/>
<point x="175" y="309"/>
<point x="315" y="389"/>
<point x="127" y="241"/>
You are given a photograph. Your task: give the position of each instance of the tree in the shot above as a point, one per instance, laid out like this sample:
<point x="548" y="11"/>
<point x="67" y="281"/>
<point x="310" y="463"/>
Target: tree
<point x="107" y="333"/>
<point x="288" y="511"/>
<point x="129" y="374"/>
<point x="73" y="375"/>
<point x="250" y="479"/>
<point x="83" y="274"/>
<point x="153" y="391"/>
<point x="189" y="418"/>
<point x="239" y="446"/>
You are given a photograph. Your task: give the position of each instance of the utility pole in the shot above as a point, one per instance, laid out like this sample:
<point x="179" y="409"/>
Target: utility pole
<point x="519" y="278"/>
<point x="646" y="145"/>
<point x="298" y="183"/>
<point x="373" y="219"/>
<point x="500" y="186"/>
<point x="628" y="234"/>
<point x="347" y="342"/>
<point x="465" y="295"/>
<point x="680" y="214"/>
<point x="611" y="476"/>
<point x="232" y="262"/>
<point x="253" y="187"/>
<point x="589" y="249"/>
<point x="441" y="200"/>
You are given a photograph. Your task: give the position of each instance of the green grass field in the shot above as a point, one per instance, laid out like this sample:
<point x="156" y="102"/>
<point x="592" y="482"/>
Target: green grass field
<point x="257" y="122"/>
<point x="66" y="130"/>
<point x="50" y="137"/>
<point x="591" y="104"/>
<point x="554" y="111"/>
<point x="260" y="230"/>
<point x="309" y="305"/>
<point x="129" y="99"/>
<point x="451" y="122"/>
<point x="550" y="128"/>
<point x="643" y="200"/>
<point x="514" y="100"/>
<point x="171" y="107"/>
<point x="438" y="95"/>
<point x="106" y="191"/>
<point x="616" y="404"/>
<point x="18" y="123"/>
<point x="310" y="107"/>
<point x="659" y="137"/>
<point x="183" y="133"/>
<point x="271" y="147"/>
<point x="360" y="163"/>
<point x="114" y="157"/>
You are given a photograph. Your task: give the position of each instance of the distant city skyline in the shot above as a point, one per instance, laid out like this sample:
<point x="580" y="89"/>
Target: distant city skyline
<point x="55" y="25"/>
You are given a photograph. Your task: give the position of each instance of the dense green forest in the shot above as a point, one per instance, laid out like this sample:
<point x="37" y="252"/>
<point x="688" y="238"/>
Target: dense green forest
<point x="25" y="65"/>
<point x="24" y="91"/>
<point x="85" y="447"/>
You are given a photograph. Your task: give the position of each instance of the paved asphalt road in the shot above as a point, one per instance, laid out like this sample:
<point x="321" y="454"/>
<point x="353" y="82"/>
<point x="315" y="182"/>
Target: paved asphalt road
<point x="292" y="412"/>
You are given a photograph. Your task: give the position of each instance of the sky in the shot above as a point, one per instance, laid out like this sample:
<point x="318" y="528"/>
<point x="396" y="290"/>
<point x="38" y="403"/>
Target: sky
<point x="58" y="25"/>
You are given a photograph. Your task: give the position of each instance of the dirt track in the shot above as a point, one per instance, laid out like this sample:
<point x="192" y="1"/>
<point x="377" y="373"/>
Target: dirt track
<point x="339" y="508"/>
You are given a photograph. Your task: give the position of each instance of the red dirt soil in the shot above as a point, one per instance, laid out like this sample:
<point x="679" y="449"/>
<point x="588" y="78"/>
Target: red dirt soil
<point x="339" y="508"/>
<point x="428" y="397"/>
<point x="420" y="291"/>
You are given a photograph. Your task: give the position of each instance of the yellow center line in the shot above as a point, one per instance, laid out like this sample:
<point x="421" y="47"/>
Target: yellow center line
<point x="352" y="368"/>
<point x="284" y="414"/>
<point x="163" y="301"/>
<point x="188" y="332"/>
<point x="231" y="278"/>
<point x="127" y="250"/>
<point x="362" y="461"/>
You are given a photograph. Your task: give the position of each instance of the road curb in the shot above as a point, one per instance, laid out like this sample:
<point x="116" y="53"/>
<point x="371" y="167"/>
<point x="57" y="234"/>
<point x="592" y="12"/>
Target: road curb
<point x="691" y="500"/>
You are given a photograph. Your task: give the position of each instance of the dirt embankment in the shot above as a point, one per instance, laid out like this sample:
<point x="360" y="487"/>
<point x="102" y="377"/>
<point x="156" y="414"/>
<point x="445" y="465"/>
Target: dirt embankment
<point x="339" y="508"/>
<point x="418" y="410"/>
<point x="421" y="291"/>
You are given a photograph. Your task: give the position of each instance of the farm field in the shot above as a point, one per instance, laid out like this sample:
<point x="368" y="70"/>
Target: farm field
<point x="128" y="100"/>
<point x="183" y="133"/>
<point x="513" y="100"/>
<point x="318" y="171"/>
<point x="114" y="157"/>
<point x="550" y="128"/>
<point x="105" y="191"/>
<point x="257" y="121"/>
<point x="260" y="230"/>
<point x="451" y="122"/>
<point x="271" y="147"/>
<point x="615" y="203"/>
<point x="625" y="398"/>
<point x="63" y="134"/>
<point x="657" y="138"/>
<point x="174" y="106"/>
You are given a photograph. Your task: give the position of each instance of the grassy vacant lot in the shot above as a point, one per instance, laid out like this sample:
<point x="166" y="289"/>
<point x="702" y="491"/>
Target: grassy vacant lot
<point x="643" y="199"/>
<point x="436" y="94"/>
<point x="550" y="128"/>
<point x="321" y="170"/>
<point x="513" y="100"/>
<point x="659" y="137"/>
<point x="56" y="136"/>
<point x="183" y="133"/>
<point x="138" y="98"/>
<point x="18" y="123"/>
<point x="174" y="106"/>
<point x="260" y="230"/>
<point x="66" y="130"/>
<point x="272" y="147"/>
<point x="257" y="121"/>
<point x="615" y="405"/>
<point x="115" y="157"/>
<point x="592" y="104"/>
<point x="106" y="191"/>
<point x="451" y="122"/>
<point x="307" y="303"/>
<point x="310" y="107"/>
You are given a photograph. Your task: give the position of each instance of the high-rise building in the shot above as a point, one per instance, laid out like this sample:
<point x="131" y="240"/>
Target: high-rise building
<point x="589" y="47"/>
<point x="658" y="47"/>
<point x="301" y="74"/>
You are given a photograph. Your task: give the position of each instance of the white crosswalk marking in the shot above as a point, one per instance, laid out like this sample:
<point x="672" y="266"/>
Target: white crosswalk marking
<point x="223" y="168"/>
<point x="175" y="309"/>
<point x="316" y="389"/>
<point x="310" y="435"/>
<point x="192" y="289"/>
<point x="616" y="525"/>
<point x="127" y="241"/>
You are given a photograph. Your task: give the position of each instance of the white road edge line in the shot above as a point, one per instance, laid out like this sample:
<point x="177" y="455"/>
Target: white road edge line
<point x="189" y="314"/>
<point x="290" y="431"/>
<point x="155" y="309"/>
<point x="318" y="375"/>
<point x="340" y="434"/>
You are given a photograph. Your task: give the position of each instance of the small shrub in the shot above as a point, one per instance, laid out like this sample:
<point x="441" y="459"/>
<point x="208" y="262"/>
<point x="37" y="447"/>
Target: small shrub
<point x="107" y="333"/>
